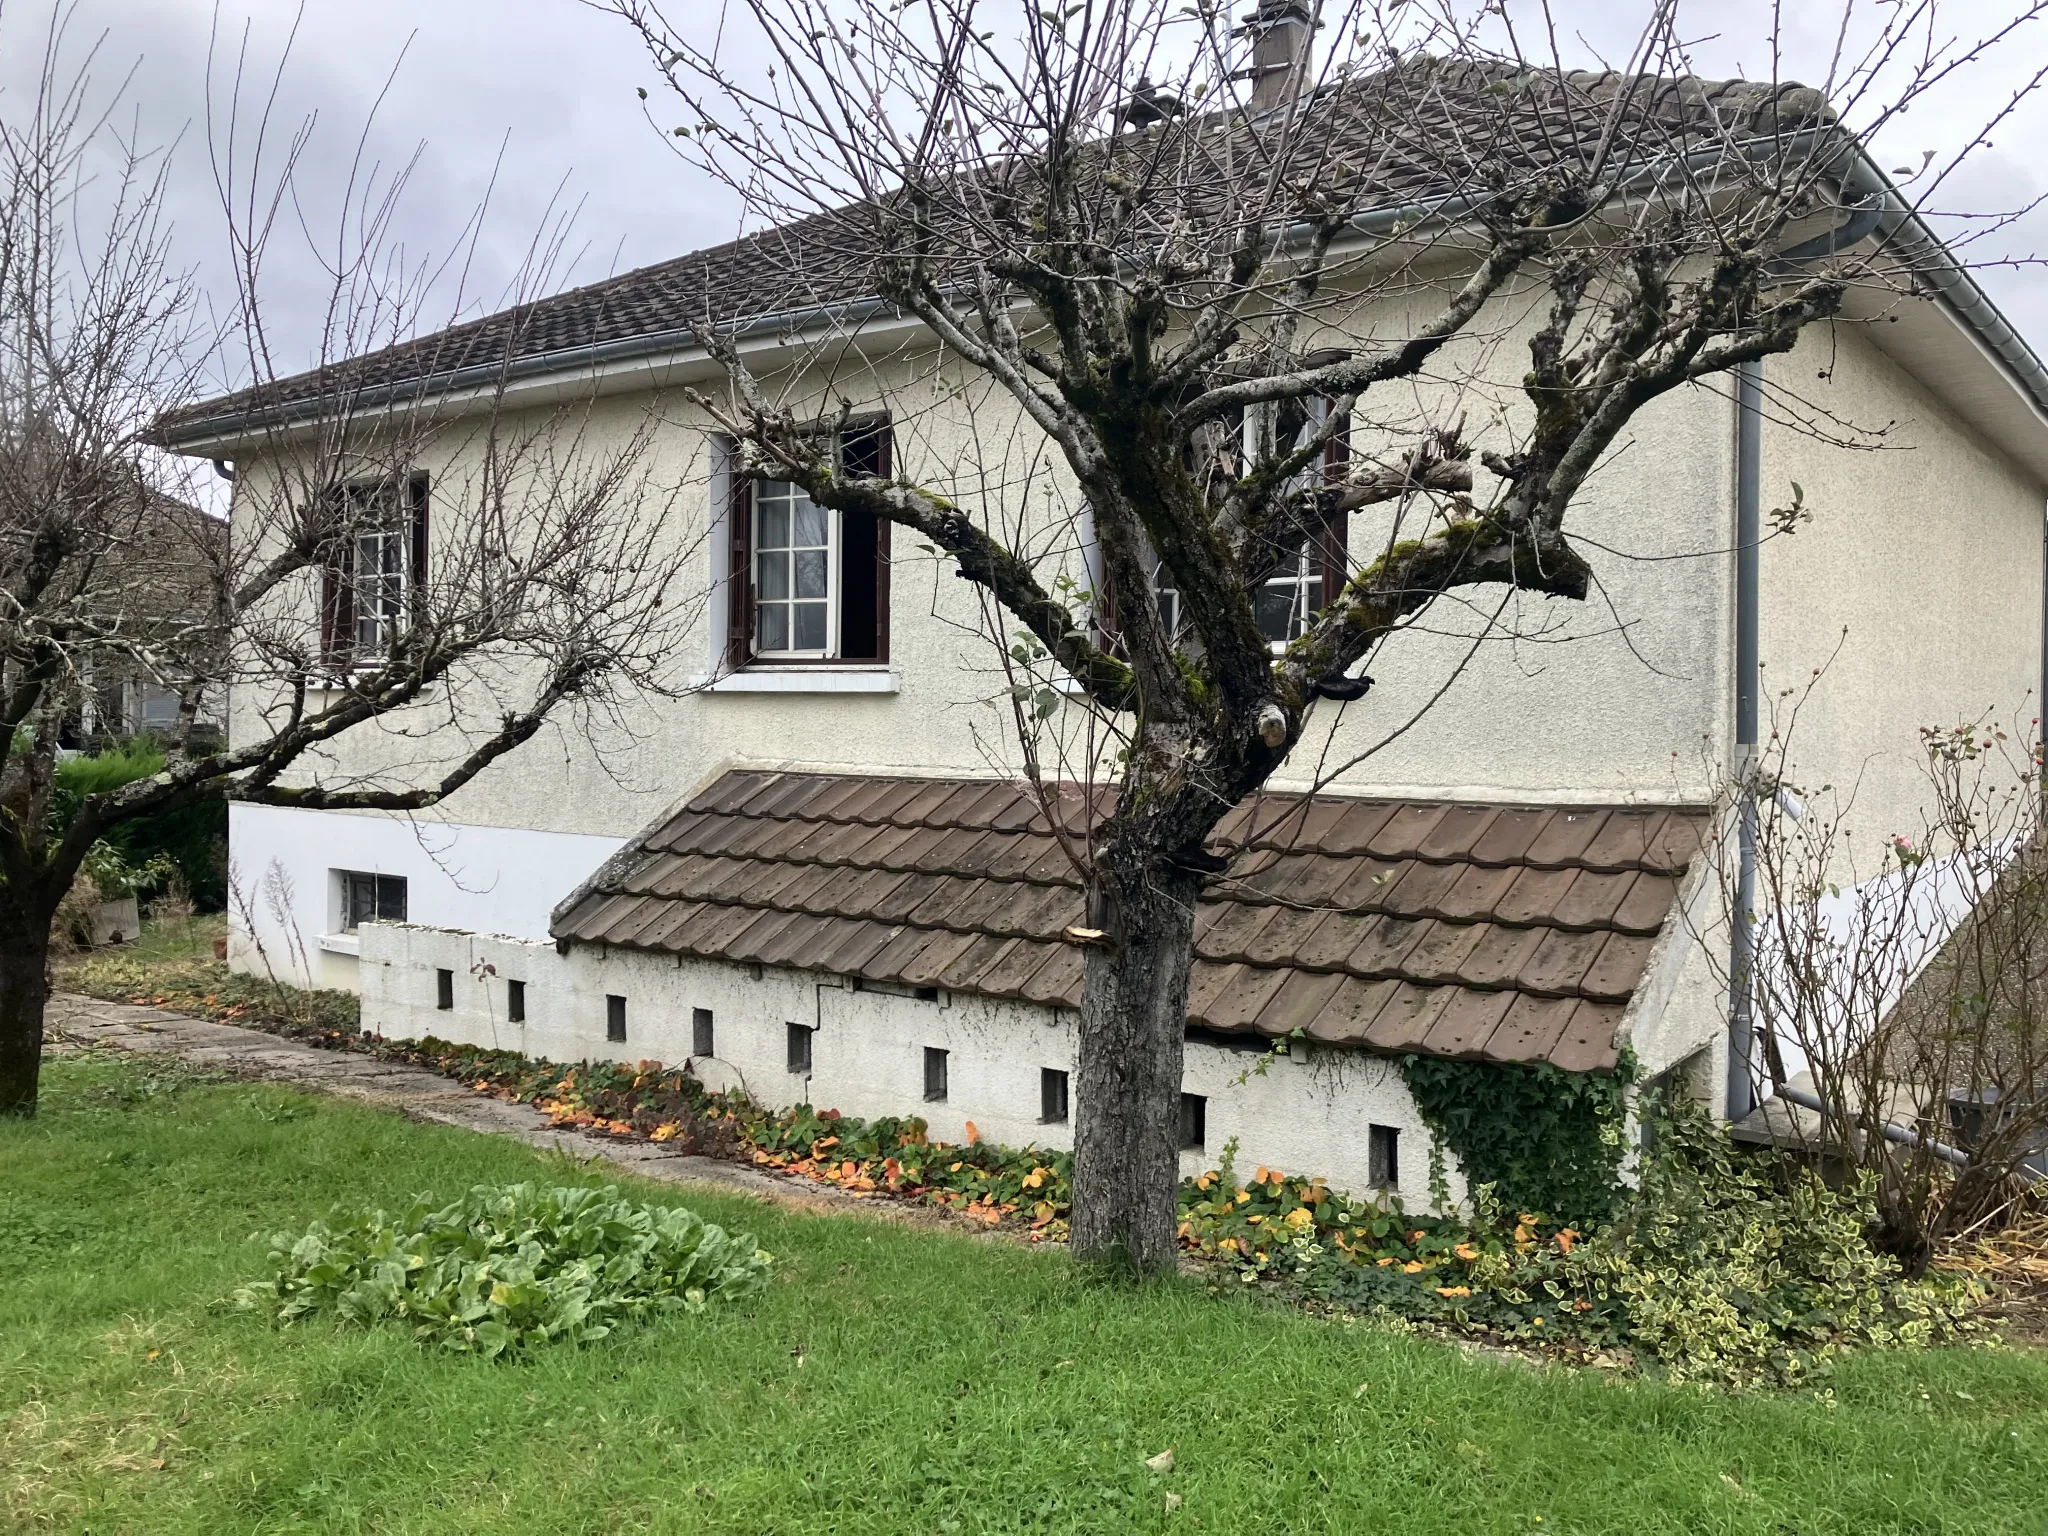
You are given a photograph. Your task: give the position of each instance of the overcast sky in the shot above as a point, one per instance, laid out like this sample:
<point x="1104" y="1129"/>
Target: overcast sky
<point x="549" y="85"/>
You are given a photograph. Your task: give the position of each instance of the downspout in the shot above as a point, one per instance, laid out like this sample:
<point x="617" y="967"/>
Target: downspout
<point x="1748" y="538"/>
<point x="1863" y="221"/>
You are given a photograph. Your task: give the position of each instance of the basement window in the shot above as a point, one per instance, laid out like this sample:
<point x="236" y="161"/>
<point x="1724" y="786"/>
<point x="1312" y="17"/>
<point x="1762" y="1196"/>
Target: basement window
<point x="702" y="1042"/>
<point x="800" y="1049"/>
<point x="614" y="1018"/>
<point x="1383" y="1156"/>
<point x="370" y="899"/>
<point x="1194" y="1122"/>
<point x="1052" y="1096"/>
<point x="934" y="1075"/>
<point x="444" y="990"/>
<point x="515" y="1001"/>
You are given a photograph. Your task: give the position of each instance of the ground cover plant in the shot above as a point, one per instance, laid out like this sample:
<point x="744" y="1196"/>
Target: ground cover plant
<point x="509" y="1267"/>
<point x="888" y="1378"/>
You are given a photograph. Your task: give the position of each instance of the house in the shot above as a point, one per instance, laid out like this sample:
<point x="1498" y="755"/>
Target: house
<point x="816" y="875"/>
<point x="159" y="577"/>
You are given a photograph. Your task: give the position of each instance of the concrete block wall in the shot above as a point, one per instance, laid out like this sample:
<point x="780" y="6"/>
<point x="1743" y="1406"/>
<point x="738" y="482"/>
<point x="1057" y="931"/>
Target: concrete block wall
<point x="1307" y="1114"/>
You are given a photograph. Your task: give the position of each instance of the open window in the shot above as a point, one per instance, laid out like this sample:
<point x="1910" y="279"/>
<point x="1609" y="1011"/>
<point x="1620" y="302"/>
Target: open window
<point x="809" y="585"/>
<point x="375" y="572"/>
<point x="1305" y="578"/>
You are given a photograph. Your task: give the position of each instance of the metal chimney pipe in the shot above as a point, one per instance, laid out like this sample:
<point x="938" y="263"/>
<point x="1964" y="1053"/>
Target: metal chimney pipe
<point x="1280" y="31"/>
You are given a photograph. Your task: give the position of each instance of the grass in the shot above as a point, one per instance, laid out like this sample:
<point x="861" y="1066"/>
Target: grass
<point x="893" y="1379"/>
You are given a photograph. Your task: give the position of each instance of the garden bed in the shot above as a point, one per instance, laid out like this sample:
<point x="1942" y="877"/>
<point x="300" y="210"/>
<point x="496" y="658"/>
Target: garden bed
<point x="1725" y="1268"/>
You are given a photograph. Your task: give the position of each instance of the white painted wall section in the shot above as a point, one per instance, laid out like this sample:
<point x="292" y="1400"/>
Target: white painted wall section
<point x="493" y="880"/>
<point x="1306" y="1115"/>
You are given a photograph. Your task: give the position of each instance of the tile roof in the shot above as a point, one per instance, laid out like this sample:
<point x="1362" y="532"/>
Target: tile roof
<point x="1507" y="933"/>
<point x="1429" y="129"/>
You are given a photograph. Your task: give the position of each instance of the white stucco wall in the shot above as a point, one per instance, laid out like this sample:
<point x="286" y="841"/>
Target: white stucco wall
<point x="490" y="879"/>
<point x="1307" y="1115"/>
<point x="1599" y="702"/>
<point x="1915" y="588"/>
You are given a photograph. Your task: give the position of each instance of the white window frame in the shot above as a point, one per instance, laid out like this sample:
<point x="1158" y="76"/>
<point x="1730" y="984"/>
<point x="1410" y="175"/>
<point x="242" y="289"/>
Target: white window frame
<point x="791" y="495"/>
<point x="380" y="599"/>
<point x="1317" y="411"/>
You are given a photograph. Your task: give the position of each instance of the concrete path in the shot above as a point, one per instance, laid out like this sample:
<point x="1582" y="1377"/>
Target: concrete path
<point x="78" y="1023"/>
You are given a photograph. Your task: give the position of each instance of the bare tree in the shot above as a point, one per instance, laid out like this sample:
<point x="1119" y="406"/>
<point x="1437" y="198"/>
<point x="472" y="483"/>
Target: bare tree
<point x="1174" y="246"/>
<point x="343" y="623"/>
<point x="1900" y="984"/>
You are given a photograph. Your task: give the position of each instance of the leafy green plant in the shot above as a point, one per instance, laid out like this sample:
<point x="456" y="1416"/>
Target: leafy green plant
<point x="508" y="1267"/>
<point x="115" y="876"/>
<point x="1545" y="1139"/>
<point x="1724" y="1266"/>
<point x="1746" y="1268"/>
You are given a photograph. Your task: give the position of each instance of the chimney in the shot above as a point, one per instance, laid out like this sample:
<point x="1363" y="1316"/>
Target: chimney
<point x="1280" y="31"/>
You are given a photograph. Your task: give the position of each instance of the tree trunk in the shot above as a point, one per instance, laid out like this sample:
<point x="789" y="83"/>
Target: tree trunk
<point x="1127" y="1110"/>
<point x="24" y="989"/>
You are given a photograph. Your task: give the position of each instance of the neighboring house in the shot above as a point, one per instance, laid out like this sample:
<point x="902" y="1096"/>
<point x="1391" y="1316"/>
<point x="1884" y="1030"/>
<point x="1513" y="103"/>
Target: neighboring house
<point x="160" y="582"/>
<point x="811" y="877"/>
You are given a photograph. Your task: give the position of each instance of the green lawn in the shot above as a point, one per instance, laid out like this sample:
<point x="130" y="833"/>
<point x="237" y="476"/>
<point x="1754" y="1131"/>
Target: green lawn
<point x="892" y="1380"/>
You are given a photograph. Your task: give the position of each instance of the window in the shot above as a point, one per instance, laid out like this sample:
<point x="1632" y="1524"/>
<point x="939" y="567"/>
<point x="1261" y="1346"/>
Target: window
<point x="701" y="1042"/>
<point x="1303" y="579"/>
<point x="1052" y="1096"/>
<point x="615" y="1018"/>
<point x="376" y="569"/>
<point x="809" y="584"/>
<point x="370" y="899"/>
<point x="934" y="1075"/>
<point x="1194" y="1121"/>
<point x="515" y="1001"/>
<point x="444" y="990"/>
<point x="800" y="1049"/>
<point x="1383" y="1156"/>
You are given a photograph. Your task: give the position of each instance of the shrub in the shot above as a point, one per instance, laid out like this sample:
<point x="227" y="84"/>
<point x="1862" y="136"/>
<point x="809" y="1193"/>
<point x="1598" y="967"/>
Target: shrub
<point x="192" y="840"/>
<point x="1737" y="1268"/>
<point x="508" y="1267"/>
<point x="1748" y="1267"/>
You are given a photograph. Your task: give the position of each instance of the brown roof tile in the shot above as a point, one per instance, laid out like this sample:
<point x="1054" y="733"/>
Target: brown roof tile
<point x="1299" y="1001"/>
<point x="1059" y="979"/>
<point x="1588" y="1044"/>
<point x="1511" y="933"/>
<point x="1565" y="837"/>
<point x="1409" y="1016"/>
<point x="1467" y="1022"/>
<point x="1530" y="1030"/>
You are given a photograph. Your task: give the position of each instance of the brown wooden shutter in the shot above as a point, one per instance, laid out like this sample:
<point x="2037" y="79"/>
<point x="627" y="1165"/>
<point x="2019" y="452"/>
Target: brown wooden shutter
<point x="885" y="466"/>
<point x="416" y="584"/>
<point x="338" y="609"/>
<point x="739" y="585"/>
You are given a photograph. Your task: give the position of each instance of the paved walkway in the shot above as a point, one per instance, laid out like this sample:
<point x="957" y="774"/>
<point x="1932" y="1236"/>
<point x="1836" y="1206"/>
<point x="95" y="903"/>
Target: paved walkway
<point x="75" y="1022"/>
